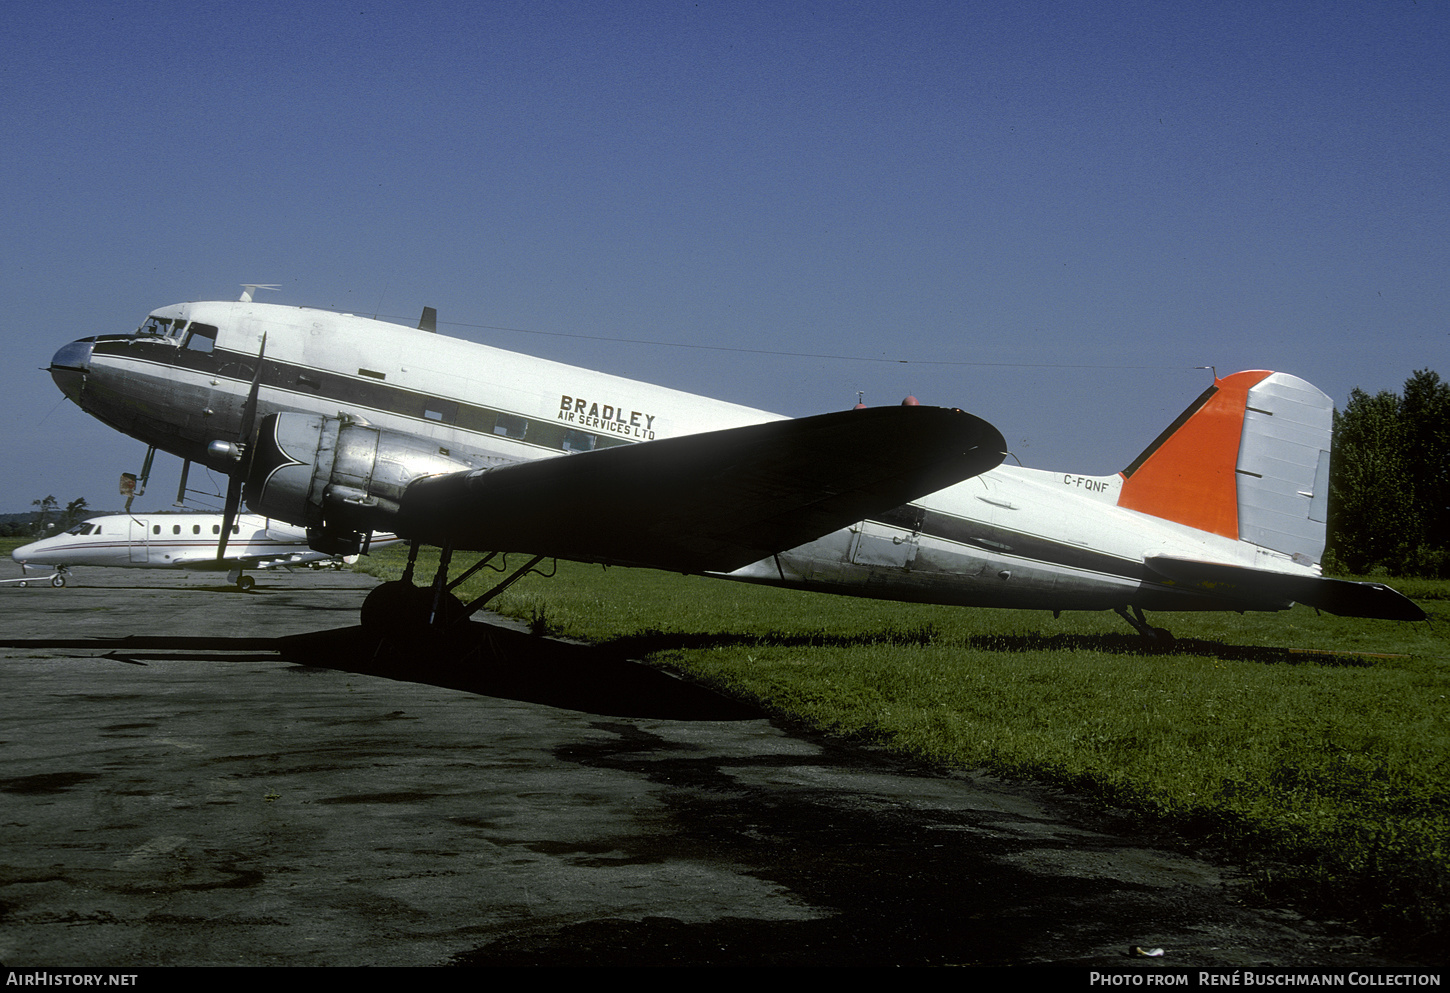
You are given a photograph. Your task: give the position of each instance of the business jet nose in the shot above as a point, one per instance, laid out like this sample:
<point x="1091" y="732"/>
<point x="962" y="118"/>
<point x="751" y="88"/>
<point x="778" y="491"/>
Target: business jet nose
<point x="69" y="367"/>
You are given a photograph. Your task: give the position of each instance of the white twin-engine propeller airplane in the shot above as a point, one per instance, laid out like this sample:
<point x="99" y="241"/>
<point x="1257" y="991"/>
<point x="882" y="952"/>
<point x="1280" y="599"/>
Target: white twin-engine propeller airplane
<point x="347" y="426"/>
<point x="176" y="541"/>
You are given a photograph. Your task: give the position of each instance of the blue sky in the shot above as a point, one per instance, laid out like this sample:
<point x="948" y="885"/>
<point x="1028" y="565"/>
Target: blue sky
<point x="1045" y="213"/>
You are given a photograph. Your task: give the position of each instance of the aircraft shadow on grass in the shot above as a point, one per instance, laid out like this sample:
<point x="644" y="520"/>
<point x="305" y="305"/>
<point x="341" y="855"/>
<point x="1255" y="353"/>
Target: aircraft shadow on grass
<point x="1111" y="643"/>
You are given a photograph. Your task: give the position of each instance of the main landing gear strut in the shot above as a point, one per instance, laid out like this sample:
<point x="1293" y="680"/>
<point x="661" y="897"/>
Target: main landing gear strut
<point x="400" y="608"/>
<point x="1157" y="637"/>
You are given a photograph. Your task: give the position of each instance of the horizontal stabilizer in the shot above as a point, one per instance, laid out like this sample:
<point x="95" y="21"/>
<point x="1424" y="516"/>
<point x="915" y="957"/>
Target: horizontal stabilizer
<point x="706" y="502"/>
<point x="1250" y="586"/>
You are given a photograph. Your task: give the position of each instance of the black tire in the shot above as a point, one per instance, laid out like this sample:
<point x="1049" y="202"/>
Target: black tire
<point x="397" y="608"/>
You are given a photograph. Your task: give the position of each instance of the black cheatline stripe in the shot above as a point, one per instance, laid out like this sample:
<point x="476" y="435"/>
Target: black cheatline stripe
<point x="300" y="380"/>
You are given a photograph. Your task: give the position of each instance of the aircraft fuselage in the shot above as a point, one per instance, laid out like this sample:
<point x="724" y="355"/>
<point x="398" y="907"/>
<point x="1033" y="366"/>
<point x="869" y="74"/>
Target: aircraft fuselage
<point x="170" y="541"/>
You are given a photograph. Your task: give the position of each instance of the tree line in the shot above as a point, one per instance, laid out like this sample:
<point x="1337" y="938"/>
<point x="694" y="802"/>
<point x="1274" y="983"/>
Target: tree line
<point x="47" y="518"/>
<point x="1389" y="487"/>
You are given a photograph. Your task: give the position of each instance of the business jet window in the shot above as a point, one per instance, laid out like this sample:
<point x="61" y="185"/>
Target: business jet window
<point x="176" y="529"/>
<point x="216" y="529"/>
<point x="82" y="529"/>
<point x="196" y="529"/>
<point x="156" y="529"/>
<point x="201" y="339"/>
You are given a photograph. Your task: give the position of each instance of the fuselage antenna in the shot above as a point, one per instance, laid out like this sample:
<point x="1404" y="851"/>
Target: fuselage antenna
<point x="250" y="288"/>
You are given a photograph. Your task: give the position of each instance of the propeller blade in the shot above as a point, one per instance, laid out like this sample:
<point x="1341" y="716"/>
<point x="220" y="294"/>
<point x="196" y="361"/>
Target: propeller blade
<point x="244" y="437"/>
<point x="229" y="514"/>
<point x="249" y="409"/>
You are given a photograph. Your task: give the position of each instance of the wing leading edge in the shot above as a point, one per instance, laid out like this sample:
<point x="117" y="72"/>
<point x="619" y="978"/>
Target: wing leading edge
<point x="706" y="502"/>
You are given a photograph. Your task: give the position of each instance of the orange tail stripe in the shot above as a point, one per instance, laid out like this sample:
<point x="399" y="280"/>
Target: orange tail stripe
<point x="1188" y="475"/>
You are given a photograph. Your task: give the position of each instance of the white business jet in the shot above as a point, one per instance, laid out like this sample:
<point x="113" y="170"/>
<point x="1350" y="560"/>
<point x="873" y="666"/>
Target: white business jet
<point x="347" y="426"/>
<point x="175" y="541"/>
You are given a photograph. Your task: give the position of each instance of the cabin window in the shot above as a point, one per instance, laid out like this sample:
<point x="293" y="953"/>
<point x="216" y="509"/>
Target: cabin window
<point x="579" y="441"/>
<point x="441" y="411"/>
<point x="156" y="529"/>
<point x="511" y="426"/>
<point x="216" y="529"/>
<point x="176" y="529"/>
<point x="196" y="529"/>
<point x="202" y="338"/>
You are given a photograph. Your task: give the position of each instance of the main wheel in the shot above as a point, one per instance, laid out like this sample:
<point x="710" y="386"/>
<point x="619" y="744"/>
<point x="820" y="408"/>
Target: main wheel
<point x="395" y="608"/>
<point x="399" y="608"/>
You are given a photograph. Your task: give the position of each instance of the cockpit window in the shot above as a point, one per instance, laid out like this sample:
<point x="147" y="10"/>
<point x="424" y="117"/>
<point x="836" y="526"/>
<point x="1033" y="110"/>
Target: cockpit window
<point x="82" y="529"/>
<point x="162" y="327"/>
<point x="202" y="337"/>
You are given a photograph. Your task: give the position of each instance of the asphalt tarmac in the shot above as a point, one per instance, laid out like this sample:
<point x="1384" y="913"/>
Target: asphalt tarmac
<point x="195" y="776"/>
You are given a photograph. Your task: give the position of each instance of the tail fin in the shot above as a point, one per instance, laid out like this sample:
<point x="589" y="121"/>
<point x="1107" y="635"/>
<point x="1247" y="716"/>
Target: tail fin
<point x="1248" y="460"/>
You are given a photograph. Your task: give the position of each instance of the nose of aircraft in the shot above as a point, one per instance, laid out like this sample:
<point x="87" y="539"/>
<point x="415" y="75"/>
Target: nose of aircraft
<point x="69" y="367"/>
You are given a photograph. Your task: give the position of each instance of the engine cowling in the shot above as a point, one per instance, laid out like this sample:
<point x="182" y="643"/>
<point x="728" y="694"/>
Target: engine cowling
<point x="337" y="476"/>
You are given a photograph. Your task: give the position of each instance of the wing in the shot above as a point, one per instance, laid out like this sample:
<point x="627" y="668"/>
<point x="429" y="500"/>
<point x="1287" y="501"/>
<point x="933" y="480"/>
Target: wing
<point x="1338" y="596"/>
<point x="706" y="502"/>
<point x="195" y="558"/>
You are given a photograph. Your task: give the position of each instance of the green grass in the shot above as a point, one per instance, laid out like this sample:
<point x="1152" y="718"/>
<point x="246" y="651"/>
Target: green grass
<point x="1315" y="749"/>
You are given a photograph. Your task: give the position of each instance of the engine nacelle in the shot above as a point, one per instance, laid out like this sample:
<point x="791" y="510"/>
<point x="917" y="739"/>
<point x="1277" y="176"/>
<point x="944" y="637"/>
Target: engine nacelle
<point x="337" y="476"/>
